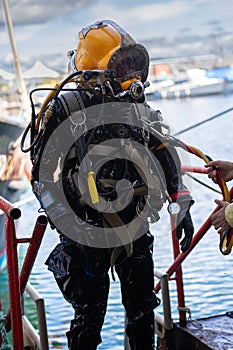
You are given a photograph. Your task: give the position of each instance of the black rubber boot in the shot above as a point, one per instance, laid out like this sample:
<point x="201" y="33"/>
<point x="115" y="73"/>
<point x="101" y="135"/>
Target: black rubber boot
<point x="79" y="339"/>
<point x="141" y="333"/>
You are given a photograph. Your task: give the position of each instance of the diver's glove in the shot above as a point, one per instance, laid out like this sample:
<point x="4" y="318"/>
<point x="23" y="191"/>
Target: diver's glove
<point x="184" y="222"/>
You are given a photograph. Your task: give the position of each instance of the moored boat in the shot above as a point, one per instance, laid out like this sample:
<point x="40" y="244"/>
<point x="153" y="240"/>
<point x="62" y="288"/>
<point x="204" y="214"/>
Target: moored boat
<point x="178" y="80"/>
<point x="9" y="132"/>
<point x="193" y="89"/>
<point x="14" y="115"/>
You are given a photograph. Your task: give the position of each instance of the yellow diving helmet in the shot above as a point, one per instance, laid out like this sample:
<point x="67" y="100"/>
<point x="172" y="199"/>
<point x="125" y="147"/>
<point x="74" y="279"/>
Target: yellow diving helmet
<point x="105" y="45"/>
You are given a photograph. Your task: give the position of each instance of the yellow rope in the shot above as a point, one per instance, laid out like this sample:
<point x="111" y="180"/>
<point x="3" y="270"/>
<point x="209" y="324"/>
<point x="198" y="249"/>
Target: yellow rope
<point x="225" y="246"/>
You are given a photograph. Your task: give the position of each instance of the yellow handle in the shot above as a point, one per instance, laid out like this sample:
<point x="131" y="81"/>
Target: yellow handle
<point x="92" y="187"/>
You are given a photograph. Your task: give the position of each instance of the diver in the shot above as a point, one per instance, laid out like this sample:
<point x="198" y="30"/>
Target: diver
<point x="102" y="171"/>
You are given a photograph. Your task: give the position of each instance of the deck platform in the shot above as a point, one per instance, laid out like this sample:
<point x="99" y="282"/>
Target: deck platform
<point x="211" y="333"/>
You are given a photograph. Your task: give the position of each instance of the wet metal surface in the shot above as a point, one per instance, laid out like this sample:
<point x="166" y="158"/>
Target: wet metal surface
<point x="215" y="332"/>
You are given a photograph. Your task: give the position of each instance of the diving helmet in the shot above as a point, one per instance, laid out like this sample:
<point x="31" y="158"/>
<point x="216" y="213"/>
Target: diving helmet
<point x="105" y="45"/>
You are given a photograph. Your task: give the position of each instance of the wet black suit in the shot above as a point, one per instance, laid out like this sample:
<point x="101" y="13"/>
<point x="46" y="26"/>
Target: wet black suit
<point x="82" y="271"/>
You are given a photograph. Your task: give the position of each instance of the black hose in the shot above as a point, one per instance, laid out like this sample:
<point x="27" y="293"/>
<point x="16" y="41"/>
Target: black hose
<point x="25" y="150"/>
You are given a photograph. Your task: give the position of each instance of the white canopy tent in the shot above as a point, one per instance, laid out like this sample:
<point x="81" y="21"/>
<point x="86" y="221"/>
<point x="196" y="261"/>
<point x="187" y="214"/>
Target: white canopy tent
<point x="39" y="70"/>
<point x="6" y="75"/>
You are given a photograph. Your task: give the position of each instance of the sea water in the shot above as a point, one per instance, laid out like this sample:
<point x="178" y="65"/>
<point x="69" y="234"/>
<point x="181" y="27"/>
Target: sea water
<point x="207" y="273"/>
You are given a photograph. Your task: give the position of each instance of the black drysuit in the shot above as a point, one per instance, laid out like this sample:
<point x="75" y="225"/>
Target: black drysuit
<point x="81" y="270"/>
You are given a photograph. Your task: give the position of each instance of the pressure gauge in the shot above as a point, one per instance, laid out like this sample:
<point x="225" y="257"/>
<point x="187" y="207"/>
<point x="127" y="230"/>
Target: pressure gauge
<point x="173" y="208"/>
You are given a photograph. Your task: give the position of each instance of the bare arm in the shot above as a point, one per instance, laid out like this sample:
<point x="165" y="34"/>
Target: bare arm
<point x="225" y="167"/>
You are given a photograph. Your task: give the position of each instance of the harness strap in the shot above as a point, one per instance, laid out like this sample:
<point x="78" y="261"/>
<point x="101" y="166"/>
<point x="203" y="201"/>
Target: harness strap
<point x="138" y="191"/>
<point x="122" y="230"/>
<point x="150" y="180"/>
<point x="114" y="221"/>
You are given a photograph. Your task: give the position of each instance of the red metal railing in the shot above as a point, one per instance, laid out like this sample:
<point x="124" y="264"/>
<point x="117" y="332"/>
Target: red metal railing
<point x="17" y="283"/>
<point x="179" y="256"/>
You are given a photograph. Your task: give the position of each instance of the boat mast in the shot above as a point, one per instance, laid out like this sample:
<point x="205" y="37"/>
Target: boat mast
<point x="19" y="75"/>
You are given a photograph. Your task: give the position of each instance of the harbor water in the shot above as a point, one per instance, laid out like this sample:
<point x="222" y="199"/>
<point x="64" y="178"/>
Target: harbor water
<point x="207" y="273"/>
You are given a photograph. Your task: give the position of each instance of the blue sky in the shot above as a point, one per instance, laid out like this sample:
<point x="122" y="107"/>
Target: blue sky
<point x="45" y="27"/>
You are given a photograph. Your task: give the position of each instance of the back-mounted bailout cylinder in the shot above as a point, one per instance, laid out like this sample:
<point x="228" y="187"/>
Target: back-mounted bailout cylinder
<point x="105" y="45"/>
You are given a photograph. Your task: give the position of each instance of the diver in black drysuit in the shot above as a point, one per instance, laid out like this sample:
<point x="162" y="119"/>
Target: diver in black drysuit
<point x="82" y="272"/>
<point x="81" y="269"/>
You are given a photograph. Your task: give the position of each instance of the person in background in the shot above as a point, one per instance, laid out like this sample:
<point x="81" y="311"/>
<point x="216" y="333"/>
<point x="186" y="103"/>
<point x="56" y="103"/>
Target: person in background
<point x="222" y="220"/>
<point x="109" y="69"/>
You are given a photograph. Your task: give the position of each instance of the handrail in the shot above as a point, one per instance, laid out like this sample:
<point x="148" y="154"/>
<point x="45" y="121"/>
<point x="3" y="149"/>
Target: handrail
<point x="12" y="262"/>
<point x="9" y="209"/>
<point x="179" y="257"/>
<point x="31" y="335"/>
<point x="166" y="321"/>
<point x="17" y="283"/>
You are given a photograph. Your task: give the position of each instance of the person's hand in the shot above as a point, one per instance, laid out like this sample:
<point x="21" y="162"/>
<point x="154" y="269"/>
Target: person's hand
<point x="184" y="224"/>
<point x="225" y="167"/>
<point x="218" y="219"/>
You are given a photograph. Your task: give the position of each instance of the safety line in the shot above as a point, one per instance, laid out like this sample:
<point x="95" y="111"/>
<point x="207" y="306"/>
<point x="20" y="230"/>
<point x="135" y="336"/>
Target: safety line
<point x="204" y="121"/>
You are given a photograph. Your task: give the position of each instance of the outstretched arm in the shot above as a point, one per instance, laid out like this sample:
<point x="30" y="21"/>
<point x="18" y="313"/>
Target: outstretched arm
<point x="225" y="167"/>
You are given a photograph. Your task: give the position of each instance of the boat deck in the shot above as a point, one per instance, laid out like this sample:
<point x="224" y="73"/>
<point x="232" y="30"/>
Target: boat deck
<point x="212" y="333"/>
